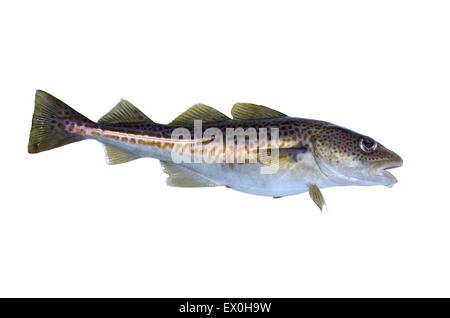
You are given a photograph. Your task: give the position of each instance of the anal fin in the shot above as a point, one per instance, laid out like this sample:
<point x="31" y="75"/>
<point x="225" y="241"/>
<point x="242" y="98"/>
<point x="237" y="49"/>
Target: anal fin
<point x="115" y="155"/>
<point x="183" y="177"/>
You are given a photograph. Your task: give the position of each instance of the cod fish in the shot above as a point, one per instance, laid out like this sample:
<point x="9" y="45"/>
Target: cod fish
<point x="211" y="149"/>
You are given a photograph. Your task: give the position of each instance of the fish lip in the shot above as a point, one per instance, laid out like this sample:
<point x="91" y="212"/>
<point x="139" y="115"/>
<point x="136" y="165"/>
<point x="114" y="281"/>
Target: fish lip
<point x="389" y="177"/>
<point x="391" y="165"/>
<point x="382" y="170"/>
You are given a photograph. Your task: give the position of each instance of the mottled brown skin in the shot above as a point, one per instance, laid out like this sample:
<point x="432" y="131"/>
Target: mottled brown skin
<point x="293" y="133"/>
<point x="289" y="126"/>
<point x="334" y="144"/>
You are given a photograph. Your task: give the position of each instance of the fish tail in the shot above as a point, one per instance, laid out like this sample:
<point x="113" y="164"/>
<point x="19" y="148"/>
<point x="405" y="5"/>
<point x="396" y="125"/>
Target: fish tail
<point x="49" y="125"/>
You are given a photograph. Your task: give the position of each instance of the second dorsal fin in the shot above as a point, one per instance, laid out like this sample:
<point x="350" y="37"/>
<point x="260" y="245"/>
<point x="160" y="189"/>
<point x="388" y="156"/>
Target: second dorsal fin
<point x="199" y="112"/>
<point x="124" y="112"/>
<point x="245" y="111"/>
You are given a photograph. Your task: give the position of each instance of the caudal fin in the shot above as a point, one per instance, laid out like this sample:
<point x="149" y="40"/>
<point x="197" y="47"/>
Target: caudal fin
<point x="48" y="129"/>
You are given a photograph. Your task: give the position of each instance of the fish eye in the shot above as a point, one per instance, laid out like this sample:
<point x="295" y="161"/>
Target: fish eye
<point x="368" y="144"/>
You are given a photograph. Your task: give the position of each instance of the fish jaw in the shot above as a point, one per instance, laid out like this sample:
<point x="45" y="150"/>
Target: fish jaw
<point x="361" y="174"/>
<point x="386" y="177"/>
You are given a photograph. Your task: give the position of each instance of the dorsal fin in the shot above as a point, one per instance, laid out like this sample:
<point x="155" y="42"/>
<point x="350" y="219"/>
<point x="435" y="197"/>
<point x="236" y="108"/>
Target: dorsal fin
<point x="199" y="112"/>
<point x="180" y="176"/>
<point x="124" y="112"/>
<point x="245" y="111"/>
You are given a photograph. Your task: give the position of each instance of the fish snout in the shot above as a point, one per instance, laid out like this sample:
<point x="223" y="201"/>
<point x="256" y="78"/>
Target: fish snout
<point x="381" y="168"/>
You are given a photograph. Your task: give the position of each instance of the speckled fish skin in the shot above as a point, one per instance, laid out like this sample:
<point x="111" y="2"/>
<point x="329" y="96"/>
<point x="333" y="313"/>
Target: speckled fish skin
<point x="312" y="152"/>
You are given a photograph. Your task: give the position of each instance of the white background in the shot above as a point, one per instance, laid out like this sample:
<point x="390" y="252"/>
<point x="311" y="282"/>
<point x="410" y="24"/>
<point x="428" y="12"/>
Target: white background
<point x="72" y="226"/>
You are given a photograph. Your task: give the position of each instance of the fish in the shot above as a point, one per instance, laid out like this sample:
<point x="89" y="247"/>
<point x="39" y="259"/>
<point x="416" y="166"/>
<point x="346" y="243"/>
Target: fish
<point x="258" y="150"/>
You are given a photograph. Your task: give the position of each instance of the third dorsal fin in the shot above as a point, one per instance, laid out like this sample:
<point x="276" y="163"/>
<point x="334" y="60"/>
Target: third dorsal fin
<point x="245" y="111"/>
<point x="124" y="112"/>
<point x="199" y="112"/>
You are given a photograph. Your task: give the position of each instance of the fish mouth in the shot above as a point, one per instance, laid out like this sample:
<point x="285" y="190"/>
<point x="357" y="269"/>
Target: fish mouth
<point x="382" y="170"/>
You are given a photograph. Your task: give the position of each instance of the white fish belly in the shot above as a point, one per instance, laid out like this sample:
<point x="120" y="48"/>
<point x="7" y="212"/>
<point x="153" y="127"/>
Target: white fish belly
<point x="247" y="178"/>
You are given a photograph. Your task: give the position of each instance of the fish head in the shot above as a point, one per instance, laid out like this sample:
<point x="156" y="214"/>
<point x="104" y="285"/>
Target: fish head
<point x="349" y="158"/>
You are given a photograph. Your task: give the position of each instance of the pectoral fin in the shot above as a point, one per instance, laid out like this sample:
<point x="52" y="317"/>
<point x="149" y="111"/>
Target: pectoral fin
<point x="316" y="196"/>
<point x="287" y="157"/>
